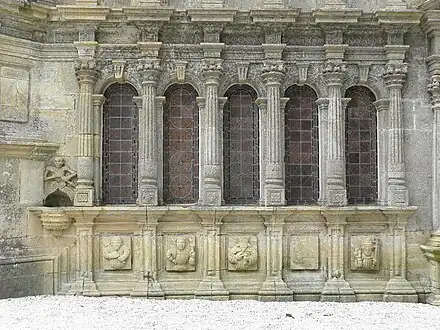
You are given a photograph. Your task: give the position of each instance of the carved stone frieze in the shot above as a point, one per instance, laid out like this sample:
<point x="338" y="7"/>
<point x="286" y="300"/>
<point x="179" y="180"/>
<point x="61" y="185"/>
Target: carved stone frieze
<point x="242" y="253"/>
<point x="149" y="69"/>
<point x="116" y="252"/>
<point x="180" y="253"/>
<point x="364" y="253"/>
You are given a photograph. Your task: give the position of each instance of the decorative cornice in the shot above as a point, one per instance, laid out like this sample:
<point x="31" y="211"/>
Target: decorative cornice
<point x="403" y="18"/>
<point x="274" y="15"/>
<point x="339" y="16"/>
<point x="148" y="14"/>
<point x="28" y="149"/>
<point x="212" y="15"/>
<point x="82" y="13"/>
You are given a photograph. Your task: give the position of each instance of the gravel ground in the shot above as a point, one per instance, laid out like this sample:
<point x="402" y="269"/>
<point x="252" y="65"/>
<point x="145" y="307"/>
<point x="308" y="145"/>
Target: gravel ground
<point x="60" y="312"/>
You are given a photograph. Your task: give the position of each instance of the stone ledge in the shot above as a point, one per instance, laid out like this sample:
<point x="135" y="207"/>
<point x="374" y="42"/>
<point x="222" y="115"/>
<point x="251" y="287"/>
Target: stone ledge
<point x="28" y="149"/>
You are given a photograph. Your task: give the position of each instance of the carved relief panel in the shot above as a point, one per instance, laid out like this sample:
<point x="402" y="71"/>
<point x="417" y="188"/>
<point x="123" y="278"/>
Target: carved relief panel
<point x="242" y="253"/>
<point x="180" y="253"/>
<point x="304" y="252"/>
<point x="14" y="94"/>
<point x="364" y="253"/>
<point x="116" y="252"/>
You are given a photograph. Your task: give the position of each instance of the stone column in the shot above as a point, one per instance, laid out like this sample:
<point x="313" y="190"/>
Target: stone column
<point x="148" y="285"/>
<point x="87" y="74"/>
<point x="336" y="288"/>
<point x="211" y="287"/>
<point x="397" y="190"/>
<point x="211" y="130"/>
<point x="274" y="194"/>
<point x="335" y="189"/>
<point x="382" y="107"/>
<point x="398" y="288"/>
<point x="322" y="104"/>
<point x="431" y="248"/>
<point x="274" y="288"/>
<point x="149" y="67"/>
<point x="98" y="101"/>
<point x="84" y="283"/>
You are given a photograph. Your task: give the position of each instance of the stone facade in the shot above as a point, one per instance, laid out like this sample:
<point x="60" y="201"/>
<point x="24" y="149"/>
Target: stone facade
<point x="183" y="228"/>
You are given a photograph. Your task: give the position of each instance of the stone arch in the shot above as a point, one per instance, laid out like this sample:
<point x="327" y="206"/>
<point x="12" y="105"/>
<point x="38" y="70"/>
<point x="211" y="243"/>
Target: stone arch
<point x="108" y="79"/>
<point x="57" y="199"/>
<point x="241" y="146"/>
<point x="168" y="78"/>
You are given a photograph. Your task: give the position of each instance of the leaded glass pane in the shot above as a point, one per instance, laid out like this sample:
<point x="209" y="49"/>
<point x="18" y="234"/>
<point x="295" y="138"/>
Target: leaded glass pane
<point x="120" y="145"/>
<point x="181" y="146"/>
<point x="240" y="146"/>
<point x="301" y="146"/>
<point x="361" y="146"/>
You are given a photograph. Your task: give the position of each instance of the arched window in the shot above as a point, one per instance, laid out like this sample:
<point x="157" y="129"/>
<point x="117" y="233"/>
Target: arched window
<point x="361" y="146"/>
<point x="181" y="145"/>
<point x="240" y="146"/>
<point x="120" y="145"/>
<point x="301" y="146"/>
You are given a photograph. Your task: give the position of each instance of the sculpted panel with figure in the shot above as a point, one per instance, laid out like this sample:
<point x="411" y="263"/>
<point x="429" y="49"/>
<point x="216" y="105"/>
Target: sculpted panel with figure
<point x="59" y="183"/>
<point x="180" y="253"/>
<point x="243" y="253"/>
<point x="364" y="253"/>
<point x="116" y="252"/>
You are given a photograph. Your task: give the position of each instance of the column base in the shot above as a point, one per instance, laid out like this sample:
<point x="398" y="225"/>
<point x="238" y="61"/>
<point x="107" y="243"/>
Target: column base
<point x="400" y="290"/>
<point x="274" y="196"/>
<point x="84" y="196"/>
<point x="90" y="289"/>
<point x="336" y="197"/>
<point x="212" y="196"/>
<point x="148" y="196"/>
<point x="337" y="290"/>
<point x="398" y="197"/>
<point x="433" y="299"/>
<point x="275" y="289"/>
<point x="149" y="289"/>
<point x="211" y="288"/>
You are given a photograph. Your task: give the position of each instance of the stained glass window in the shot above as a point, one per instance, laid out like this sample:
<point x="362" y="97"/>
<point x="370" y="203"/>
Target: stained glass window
<point x="361" y="146"/>
<point x="120" y="145"/>
<point x="181" y="145"/>
<point x="240" y="146"/>
<point x="301" y="146"/>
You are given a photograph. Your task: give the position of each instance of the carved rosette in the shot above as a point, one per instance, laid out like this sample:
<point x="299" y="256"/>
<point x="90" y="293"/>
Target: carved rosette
<point x="55" y="223"/>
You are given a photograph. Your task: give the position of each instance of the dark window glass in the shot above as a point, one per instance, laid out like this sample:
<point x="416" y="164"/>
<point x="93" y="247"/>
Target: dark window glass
<point x="120" y="145"/>
<point x="181" y="146"/>
<point x="240" y="146"/>
<point x="361" y="146"/>
<point x="301" y="146"/>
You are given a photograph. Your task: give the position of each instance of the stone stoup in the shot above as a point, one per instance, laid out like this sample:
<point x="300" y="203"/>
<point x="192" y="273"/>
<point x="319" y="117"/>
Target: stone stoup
<point x="59" y="234"/>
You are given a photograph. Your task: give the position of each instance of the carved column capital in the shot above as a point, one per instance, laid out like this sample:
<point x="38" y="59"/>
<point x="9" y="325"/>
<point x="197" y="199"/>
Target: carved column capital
<point x="334" y="73"/>
<point x="395" y="75"/>
<point x="86" y="70"/>
<point x="212" y="69"/>
<point x="212" y="31"/>
<point x="149" y="69"/>
<point x="434" y="91"/>
<point x="273" y="72"/>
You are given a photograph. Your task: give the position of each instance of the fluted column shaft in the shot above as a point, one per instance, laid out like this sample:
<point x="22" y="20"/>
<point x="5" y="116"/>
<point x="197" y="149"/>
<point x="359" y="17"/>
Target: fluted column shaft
<point x="98" y="101"/>
<point x="274" y="174"/>
<point x="336" y="190"/>
<point x="148" y="133"/>
<point x="87" y="76"/>
<point x="397" y="190"/>
<point x="212" y="186"/>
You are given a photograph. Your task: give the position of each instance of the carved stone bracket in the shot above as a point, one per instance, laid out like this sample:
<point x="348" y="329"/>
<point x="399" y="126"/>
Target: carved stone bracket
<point x="55" y="223"/>
<point x="302" y="73"/>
